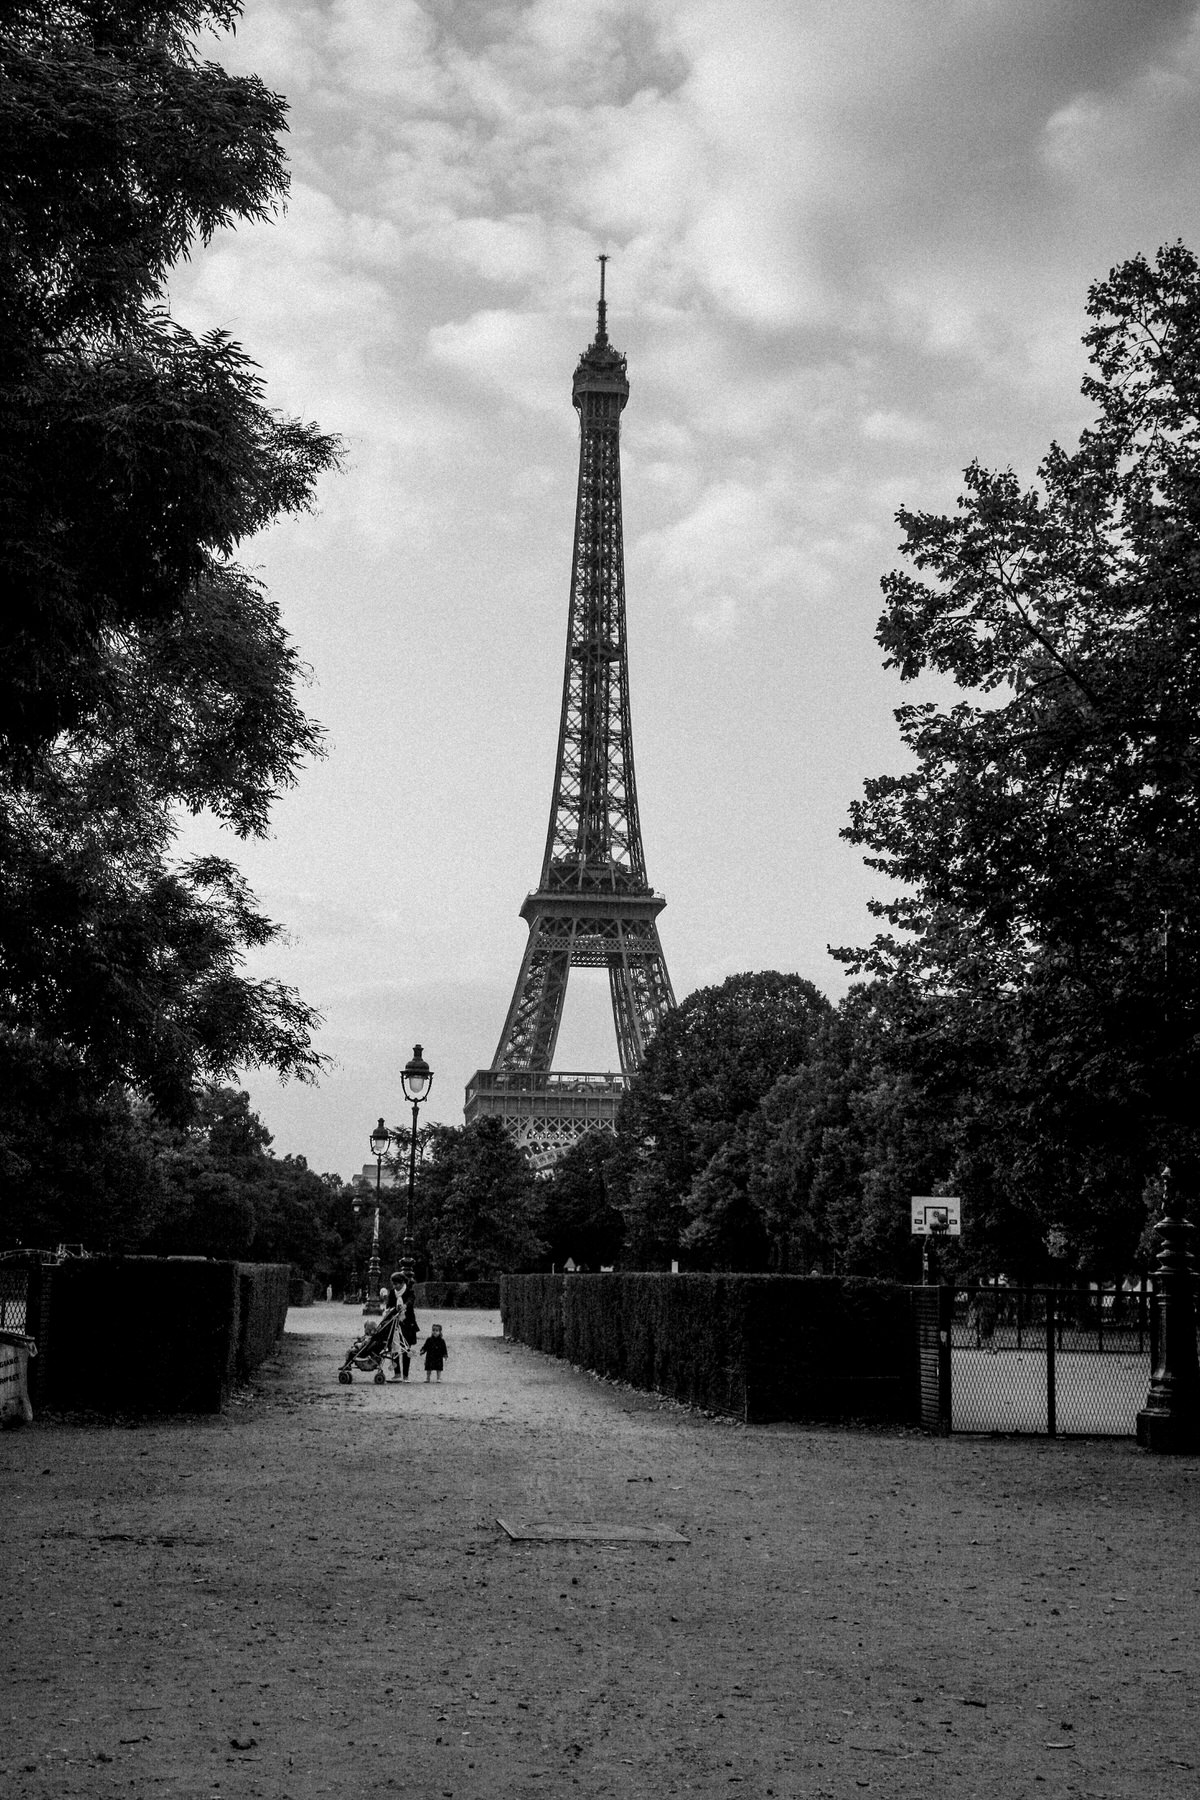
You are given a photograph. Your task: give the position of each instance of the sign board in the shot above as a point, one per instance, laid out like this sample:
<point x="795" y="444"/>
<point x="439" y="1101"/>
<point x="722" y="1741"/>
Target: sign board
<point x="936" y="1215"/>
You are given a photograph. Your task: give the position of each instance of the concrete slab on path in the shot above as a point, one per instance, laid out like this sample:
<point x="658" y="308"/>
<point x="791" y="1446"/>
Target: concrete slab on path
<point x="591" y="1534"/>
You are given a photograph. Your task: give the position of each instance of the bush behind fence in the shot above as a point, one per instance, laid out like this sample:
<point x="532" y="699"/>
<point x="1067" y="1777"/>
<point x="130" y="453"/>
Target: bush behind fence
<point x="757" y="1347"/>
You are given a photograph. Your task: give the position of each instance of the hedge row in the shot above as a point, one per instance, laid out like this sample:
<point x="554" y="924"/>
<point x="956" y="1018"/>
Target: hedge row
<point x="756" y="1346"/>
<point x="151" y="1334"/>
<point x="263" y="1296"/>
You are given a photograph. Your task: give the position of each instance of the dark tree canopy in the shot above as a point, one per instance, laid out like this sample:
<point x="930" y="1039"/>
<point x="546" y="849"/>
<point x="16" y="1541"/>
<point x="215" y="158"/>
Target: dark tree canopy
<point x="683" y="1122"/>
<point x="478" y="1207"/>
<point x="142" y="671"/>
<point x="135" y="457"/>
<point x="580" y="1216"/>
<point x="1046" y="843"/>
<point x="112" y="1176"/>
<point x="121" y="149"/>
<point x="842" y="1142"/>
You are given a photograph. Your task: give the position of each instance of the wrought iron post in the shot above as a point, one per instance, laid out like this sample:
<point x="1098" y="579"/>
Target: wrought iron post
<point x="1051" y="1371"/>
<point x="1170" y="1419"/>
<point x="416" y="1082"/>
<point x="945" y="1360"/>
<point x="406" y="1260"/>
<point x="931" y="1272"/>
<point x="374" y="1305"/>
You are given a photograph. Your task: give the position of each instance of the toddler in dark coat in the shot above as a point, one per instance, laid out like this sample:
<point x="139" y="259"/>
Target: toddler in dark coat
<point x="435" y="1350"/>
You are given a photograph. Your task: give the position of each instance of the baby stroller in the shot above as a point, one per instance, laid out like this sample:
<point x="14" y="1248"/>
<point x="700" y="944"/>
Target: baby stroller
<point x="372" y="1350"/>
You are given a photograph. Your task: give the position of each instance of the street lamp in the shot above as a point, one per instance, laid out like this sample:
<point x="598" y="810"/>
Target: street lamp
<point x="1170" y="1419"/>
<point x="381" y="1139"/>
<point x="416" y="1081"/>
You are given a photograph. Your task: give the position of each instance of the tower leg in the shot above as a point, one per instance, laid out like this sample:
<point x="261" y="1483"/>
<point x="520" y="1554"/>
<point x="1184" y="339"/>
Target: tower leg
<point x="641" y="992"/>
<point x="531" y="1029"/>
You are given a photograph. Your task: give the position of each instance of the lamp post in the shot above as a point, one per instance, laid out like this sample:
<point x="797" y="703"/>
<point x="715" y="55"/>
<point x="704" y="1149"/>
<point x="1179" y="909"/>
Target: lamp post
<point x="416" y="1081"/>
<point x="1170" y="1419"/>
<point x="381" y="1138"/>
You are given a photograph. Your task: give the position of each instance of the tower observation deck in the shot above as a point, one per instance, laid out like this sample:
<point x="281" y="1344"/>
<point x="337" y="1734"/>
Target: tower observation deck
<point x="593" y="906"/>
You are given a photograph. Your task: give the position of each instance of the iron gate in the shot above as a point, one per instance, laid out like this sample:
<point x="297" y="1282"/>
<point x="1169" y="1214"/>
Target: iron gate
<point x="1048" y="1360"/>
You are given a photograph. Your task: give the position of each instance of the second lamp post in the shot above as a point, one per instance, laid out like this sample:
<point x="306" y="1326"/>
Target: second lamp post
<point x="416" y="1081"/>
<point x="381" y="1139"/>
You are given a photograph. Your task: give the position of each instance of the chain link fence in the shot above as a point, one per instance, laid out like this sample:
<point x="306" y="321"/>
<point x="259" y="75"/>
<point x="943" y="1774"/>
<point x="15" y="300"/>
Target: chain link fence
<point x="14" y="1290"/>
<point x="1053" y="1360"/>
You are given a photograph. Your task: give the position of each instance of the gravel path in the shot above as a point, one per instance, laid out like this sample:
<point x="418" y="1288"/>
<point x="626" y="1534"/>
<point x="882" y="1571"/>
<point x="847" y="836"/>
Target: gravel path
<point x="310" y="1595"/>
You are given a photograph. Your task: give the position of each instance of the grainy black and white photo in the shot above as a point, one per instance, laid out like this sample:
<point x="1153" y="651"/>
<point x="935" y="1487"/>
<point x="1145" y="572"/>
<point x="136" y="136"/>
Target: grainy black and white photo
<point x="529" y="1265"/>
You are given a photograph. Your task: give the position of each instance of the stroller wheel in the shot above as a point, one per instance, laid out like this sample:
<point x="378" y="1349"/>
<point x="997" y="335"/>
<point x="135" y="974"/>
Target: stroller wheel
<point x="345" y="1377"/>
<point x="380" y="1378"/>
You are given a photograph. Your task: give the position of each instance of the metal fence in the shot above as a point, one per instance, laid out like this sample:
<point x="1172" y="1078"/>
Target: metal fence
<point x="1058" y="1361"/>
<point x="14" y="1288"/>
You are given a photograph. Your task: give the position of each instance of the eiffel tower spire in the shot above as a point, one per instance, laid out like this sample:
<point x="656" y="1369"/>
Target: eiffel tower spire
<point x="593" y="905"/>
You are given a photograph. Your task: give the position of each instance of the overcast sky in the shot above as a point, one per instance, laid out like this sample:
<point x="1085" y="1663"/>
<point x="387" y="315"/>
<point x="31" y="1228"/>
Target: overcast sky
<point x="851" y="242"/>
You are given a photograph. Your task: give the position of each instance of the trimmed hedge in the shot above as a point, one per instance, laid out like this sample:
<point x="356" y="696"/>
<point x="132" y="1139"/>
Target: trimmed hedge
<point x="263" y="1297"/>
<point x="445" y="1296"/>
<point x="154" y="1334"/>
<point x="756" y="1346"/>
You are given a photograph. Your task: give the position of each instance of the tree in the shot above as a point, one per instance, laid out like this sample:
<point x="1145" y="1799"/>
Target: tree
<point x="842" y="1143"/>
<point x="478" y="1209"/>
<point x="116" y="1177"/>
<point x="580" y="1219"/>
<point x="76" y="1165"/>
<point x="683" y="1121"/>
<point x="219" y="1190"/>
<point x="142" y="671"/>
<point x="1046" y="842"/>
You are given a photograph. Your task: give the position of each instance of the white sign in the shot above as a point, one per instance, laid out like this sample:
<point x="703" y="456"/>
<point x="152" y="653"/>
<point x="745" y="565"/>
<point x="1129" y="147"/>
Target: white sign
<point x="936" y="1215"/>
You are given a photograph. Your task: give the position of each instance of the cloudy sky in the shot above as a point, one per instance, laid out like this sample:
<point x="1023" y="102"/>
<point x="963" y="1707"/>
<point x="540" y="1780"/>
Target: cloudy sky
<point x="851" y="242"/>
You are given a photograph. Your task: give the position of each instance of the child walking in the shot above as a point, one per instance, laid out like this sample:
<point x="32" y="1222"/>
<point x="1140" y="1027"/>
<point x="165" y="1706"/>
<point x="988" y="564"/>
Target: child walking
<point x="435" y="1350"/>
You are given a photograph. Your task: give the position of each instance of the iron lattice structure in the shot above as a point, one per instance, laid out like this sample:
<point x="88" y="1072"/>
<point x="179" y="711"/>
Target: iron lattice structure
<point x="593" y="906"/>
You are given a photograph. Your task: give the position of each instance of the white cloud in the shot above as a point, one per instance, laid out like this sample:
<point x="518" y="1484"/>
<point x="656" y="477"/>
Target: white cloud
<point x="736" y="548"/>
<point x="506" y="353"/>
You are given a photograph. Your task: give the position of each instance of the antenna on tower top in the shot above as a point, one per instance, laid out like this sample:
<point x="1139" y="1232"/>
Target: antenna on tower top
<point x="602" y="317"/>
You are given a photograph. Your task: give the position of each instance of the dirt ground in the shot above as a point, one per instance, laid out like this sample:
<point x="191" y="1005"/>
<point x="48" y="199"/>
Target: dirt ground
<point x="310" y="1595"/>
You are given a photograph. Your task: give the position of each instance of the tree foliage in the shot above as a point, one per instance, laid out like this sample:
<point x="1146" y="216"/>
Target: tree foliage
<point x="843" y="1141"/>
<point x="683" y="1123"/>
<point x="478" y="1210"/>
<point x="142" y="671"/>
<point x="580" y="1215"/>
<point x="113" y="1176"/>
<point x="1046" y="842"/>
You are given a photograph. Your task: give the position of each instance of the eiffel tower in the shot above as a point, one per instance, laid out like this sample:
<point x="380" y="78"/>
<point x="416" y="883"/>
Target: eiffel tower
<point x="593" y="906"/>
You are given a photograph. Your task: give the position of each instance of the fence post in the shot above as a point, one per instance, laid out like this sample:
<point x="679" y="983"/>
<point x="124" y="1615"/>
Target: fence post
<point x="1051" y="1397"/>
<point x="945" y="1327"/>
<point x="37" y="1326"/>
<point x="932" y="1308"/>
